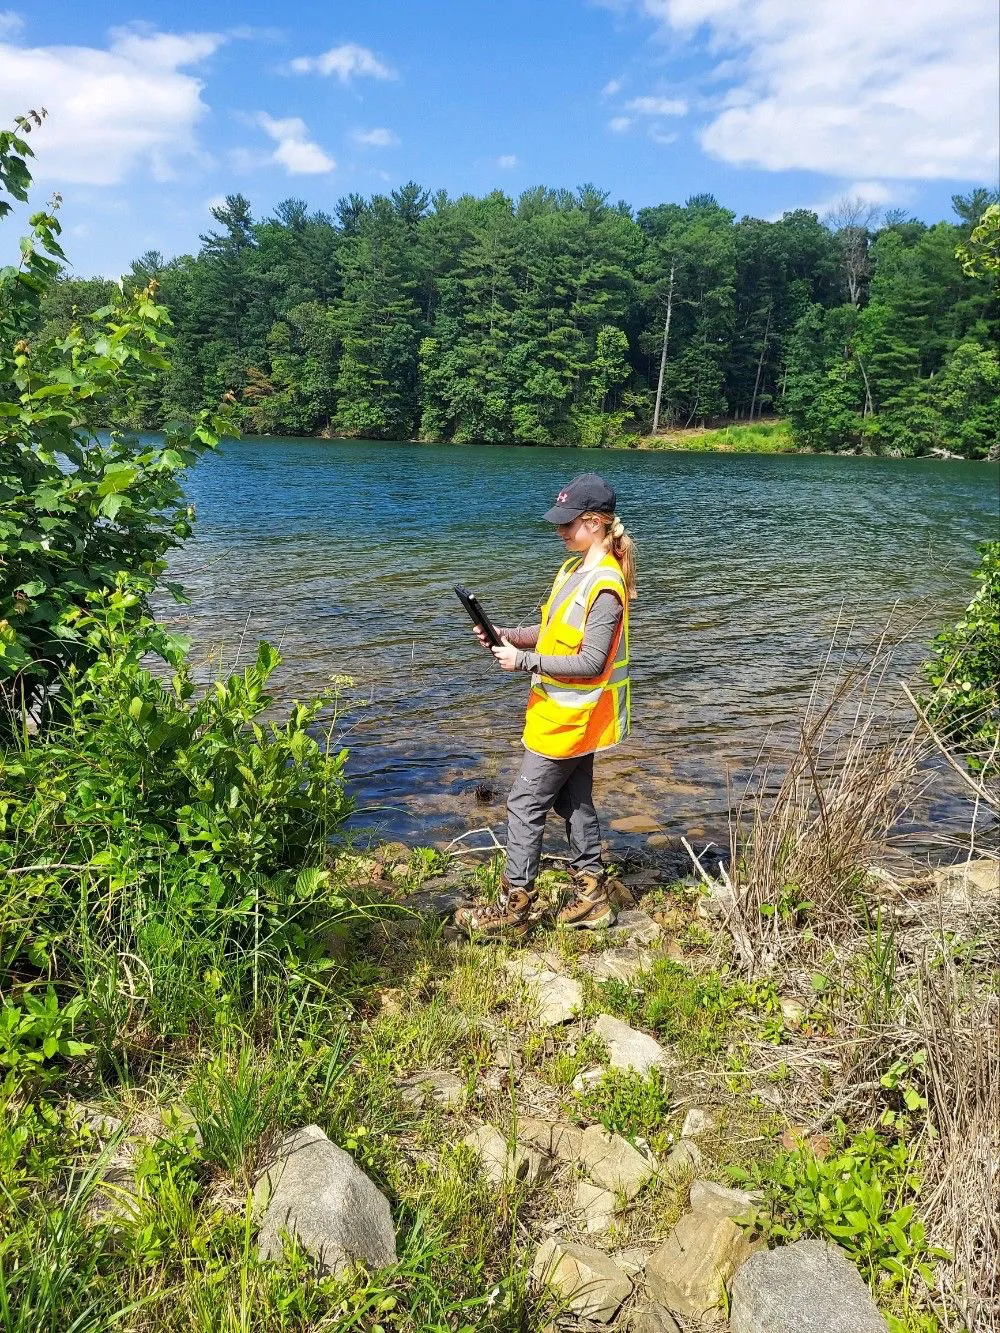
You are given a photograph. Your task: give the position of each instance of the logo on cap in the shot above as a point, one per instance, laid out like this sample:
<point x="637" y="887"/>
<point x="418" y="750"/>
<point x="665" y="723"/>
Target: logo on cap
<point x="562" y="497"/>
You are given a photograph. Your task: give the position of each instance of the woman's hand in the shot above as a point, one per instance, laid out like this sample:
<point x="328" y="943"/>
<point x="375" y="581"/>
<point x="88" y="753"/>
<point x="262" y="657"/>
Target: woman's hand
<point x="506" y="656"/>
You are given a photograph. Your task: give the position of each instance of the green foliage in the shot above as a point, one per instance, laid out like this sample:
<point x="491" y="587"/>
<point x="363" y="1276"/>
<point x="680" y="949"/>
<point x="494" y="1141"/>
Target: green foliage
<point x="910" y="366"/>
<point x="862" y="1198"/>
<point x="624" y="1102"/>
<point x="701" y="1015"/>
<point x="965" y="670"/>
<point x="540" y="319"/>
<point x="77" y="510"/>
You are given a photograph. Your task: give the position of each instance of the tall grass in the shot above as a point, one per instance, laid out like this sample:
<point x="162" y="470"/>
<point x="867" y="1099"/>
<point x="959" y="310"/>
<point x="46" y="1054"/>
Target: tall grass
<point x="817" y="815"/>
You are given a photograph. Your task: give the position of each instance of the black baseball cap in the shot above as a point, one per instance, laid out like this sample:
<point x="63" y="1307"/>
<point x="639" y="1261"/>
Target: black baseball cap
<point x="583" y="495"/>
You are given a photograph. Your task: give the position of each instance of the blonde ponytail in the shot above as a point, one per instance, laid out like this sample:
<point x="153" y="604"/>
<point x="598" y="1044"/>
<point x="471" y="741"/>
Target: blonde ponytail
<point x="621" y="546"/>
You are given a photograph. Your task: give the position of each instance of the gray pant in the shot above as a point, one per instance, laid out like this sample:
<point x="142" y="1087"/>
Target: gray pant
<point x="563" y="785"/>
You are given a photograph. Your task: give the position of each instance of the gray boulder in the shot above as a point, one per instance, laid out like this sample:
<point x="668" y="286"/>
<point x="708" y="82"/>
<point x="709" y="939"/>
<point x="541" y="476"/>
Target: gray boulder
<point x="319" y="1195"/>
<point x="808" y="1287"/>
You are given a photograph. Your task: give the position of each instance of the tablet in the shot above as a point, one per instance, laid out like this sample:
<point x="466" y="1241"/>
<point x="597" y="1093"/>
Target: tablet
<point x="477" y="615"/>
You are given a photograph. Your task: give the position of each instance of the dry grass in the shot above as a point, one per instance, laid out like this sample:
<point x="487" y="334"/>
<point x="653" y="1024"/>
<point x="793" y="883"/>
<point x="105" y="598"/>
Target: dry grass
<point x="958" y="1025"/>
<point x="815" y="818"/>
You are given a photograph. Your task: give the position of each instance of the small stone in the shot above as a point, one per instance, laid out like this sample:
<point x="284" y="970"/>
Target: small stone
<point x="634" y="1259"/>
<point x="550" y="1137"/>
<point x="654" y="1319"/>
<point x="697" y="1122"/>
<point x="636" y="824"/>
<point x="620" y="965"/>
<point x="637" y="926"/>
<point x="502" y="1165"/>
<point x="594" y="1205"/>
<point x="808" y="1287"/>
<point x="560" y="999"/>
<point x="587" y="1078"/>
<point x="629" y="1048"/>
<point x="683" y="1159"/>
<point x="434" y="1087"/>
<point x="968" y="878"/>
<point x="528" y="966"/>
<point x="318" y="1194"/>
<point x="792" y="1011"/>
<point x="611" y="1161"/>
<point x="94" y="1120"/>
<point x="721" y="1201"/>
<point x="591" y="1284"/>
<point x="658" y="840"/>
<point x="689" y="1272"/>
<point x="441" y="901"/>
<point x="718" y="900"/>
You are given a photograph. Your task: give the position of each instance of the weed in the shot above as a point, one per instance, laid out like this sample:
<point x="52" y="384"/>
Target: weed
<point x="627" y="1103"/>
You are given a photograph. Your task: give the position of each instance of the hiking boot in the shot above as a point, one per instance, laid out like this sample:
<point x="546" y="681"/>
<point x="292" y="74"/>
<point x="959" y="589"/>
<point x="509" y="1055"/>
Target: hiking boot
<point x="590" y="908"/>
<point x="514" y="914"/>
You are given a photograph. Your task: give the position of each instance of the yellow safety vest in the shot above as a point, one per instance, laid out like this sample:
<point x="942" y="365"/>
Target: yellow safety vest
<point x="574" y="717"/>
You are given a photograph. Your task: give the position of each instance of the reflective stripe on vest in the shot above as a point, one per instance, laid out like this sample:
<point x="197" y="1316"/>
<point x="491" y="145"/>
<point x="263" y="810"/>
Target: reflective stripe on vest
<point x="566" y="718"/>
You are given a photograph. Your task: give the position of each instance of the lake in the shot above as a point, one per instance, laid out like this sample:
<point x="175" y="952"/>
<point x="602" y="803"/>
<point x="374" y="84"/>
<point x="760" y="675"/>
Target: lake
<point x="345" y="554"/>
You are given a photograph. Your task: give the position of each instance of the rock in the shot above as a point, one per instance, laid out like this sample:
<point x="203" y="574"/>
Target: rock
<point x="636" y="824"/>
<point x="808" y="1287"/>
<point x="94" y="1120"/>
<point x="968" y="878"/>
<point x="718" y="900"/>
<point x="697" y="1122"/>
<point x="594" y="1206"/>
<point x="587" y="1078"/>
<point x="654" y="1319"/>
<point x="318" y="1194"/>
<point x="634" y="1259"/>
<point x="441" y="900"/>
<point x="683" y="1159"/>
<point x="620" y="965"/>
<point x="689" y="1272"/>
<point x="591" y="1284"/>
<point x="636" y="926"/>
<point x="629" y="1048"/>
<point x="550" y="1138"/>
<point x="611" y="1161"/>
<point x="503" y="1165"/>
<point x="792" y="1011"/>
<point x="720" y="1201"/>
<point x="434" y="1087"/>
<point x="559" y="998"/>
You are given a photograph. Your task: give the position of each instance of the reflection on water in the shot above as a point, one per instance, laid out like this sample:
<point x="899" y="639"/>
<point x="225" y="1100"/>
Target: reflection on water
<point x="345" y="555"/>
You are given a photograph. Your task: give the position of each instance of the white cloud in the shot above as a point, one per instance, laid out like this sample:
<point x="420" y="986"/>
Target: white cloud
<point x="346" y="62"/>
<point x="375" y="138"/>
<point x="657" y="106"/>
<point x="10" y="23"/>
<point x="296" y="152"/>
<point x="660" y="136"/>
<point x="906" y="89"/>
<point x="874" y="194"/>
<point x="619" y="124"/>
<point x="612" y="87"/>
<point x="507" y="161"/>
<point x="110" y="111"/>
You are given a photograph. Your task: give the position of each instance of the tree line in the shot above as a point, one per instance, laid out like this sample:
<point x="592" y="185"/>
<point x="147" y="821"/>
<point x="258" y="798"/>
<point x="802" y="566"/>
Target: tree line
<point x="560" y="317"/>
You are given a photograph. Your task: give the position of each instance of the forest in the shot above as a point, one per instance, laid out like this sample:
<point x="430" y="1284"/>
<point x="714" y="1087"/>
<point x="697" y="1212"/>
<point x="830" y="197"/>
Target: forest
<point x="561" y="318"/>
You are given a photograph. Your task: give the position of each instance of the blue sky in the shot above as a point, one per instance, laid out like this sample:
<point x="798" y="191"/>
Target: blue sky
<point x="156" y="111"/>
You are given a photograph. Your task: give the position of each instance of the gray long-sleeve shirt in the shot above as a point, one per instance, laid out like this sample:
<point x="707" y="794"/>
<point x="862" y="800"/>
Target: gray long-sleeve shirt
<point x="598" y="635"/>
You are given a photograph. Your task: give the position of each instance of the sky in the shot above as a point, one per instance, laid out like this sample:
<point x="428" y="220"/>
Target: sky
<point x="156" y="111"/>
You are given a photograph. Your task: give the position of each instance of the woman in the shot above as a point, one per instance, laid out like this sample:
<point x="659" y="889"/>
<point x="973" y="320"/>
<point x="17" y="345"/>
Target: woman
<point x="578" y="705"/>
